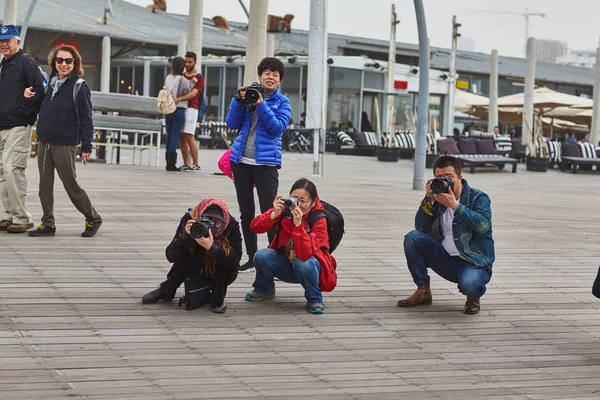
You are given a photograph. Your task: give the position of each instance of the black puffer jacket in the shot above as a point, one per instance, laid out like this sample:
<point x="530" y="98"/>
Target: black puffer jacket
<point x="59" y="122"/>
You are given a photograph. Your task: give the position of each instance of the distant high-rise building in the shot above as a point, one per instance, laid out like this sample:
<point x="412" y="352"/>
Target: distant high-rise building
<point x="579" y="58"/>
<point x="551" y="50"/>
<point x="466" y="44"/>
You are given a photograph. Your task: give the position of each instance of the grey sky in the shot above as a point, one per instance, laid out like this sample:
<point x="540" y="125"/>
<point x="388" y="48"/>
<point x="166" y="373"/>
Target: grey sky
<point x="573" y="21"/>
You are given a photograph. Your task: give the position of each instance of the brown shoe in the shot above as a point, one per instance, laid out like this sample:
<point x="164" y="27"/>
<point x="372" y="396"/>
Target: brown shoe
<point x="472" y="306"/>
<point x="19" y="228"/>
<point x="421" y="296"/>
<point x="4" y="224"/>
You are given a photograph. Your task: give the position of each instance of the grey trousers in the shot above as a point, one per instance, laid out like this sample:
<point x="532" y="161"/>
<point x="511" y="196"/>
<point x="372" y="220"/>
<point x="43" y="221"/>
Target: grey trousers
<point x="14" y="151"/>
<point x="62" y="159"/>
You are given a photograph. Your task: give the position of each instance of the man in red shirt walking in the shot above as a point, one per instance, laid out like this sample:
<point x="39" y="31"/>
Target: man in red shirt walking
<point x="186" y="139"/>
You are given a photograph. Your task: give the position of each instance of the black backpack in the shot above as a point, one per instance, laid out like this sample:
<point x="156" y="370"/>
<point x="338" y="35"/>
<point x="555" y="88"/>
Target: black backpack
<point x="335" y="223"/>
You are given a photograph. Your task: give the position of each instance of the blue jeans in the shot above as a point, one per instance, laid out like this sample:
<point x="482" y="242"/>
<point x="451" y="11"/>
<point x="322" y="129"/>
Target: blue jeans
<point x="269" y="264"/>
<point x="424" y="251"/>
<point x="174" y="122"/>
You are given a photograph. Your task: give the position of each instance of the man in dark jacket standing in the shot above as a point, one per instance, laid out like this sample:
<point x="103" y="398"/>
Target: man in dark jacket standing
<point x="17" y="116"/>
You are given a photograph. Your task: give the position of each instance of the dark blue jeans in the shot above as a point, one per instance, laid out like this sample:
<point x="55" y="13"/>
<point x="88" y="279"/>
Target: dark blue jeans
<point x="269" y="264"/>
<point x="174" y="122"/>
<point x="424" y="251"/>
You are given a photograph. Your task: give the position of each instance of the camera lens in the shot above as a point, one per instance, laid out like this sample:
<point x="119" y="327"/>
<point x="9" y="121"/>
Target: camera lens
<point x="252" y="95"/>
<point x="198" y="230"/>
<point x="291" y="202"/>
<point x="439" y="186"/>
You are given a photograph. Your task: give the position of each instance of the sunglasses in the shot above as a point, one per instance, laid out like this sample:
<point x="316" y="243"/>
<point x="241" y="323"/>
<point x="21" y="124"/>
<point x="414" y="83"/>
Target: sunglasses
<point x="60" y="60"/>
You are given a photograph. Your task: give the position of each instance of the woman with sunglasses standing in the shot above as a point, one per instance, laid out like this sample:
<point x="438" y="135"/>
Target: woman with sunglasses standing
<point x="65" y="121"/>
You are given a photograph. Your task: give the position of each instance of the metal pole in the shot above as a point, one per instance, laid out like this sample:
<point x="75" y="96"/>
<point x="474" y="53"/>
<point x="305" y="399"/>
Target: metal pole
<point x="493" y="109"/>
<point x="256" y="44"/>
<point x="245" y="9"/>
<point x="452" y="80"/>
<point x="10" y="12"/>
<point x="270" y="45"/>
<point x="194" y="36"/>
<point x="390" y="79"/>
<point x="423" y="110"/>
<point x="317" y="68"/>
<point x="528" y="129"/>
<point x="26" y="22"/>
<point x="595" y="131"/>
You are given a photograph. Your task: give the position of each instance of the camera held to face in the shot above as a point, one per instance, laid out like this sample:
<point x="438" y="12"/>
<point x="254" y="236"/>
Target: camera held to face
<point x="200" y="228"/>
<point x="441" y="184"/>
<point x="253" y="93"/>
<point x="288" y="204"/>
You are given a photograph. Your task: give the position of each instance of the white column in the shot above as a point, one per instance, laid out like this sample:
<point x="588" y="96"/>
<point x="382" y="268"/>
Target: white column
<point x="256" y="45"/>
<point x="390" y="79"/>
<point x="105" y="67"/>
<point x="270" y="45"/>
<point x="195" y="26"/>
<point x="528" y="127"/>
<point x="595" y="128"/>
<point x="147" y="78"/>
<point x="181" y="45"/>
<point x="10" y="12"/>
<point x="317" y="76"/>
<point x="493" y="109"/>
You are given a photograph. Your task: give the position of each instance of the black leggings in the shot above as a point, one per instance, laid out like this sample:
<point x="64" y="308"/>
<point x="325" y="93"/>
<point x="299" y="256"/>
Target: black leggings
<point x="266" y="179"/>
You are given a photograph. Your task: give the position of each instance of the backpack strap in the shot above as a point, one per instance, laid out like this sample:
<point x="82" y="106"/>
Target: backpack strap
<point x="76" y="89"/>
<point x="314" y="217"/>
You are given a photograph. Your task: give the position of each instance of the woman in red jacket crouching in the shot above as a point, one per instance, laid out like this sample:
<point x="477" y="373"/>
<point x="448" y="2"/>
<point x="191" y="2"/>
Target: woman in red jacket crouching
<point x="299" y="253"/>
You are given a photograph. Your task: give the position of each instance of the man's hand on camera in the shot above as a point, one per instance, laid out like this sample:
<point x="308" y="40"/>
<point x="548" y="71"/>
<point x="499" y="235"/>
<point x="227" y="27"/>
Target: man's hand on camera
<point x="206" y="242"/>
<point x="297" y="215"/>
<point x="447" y="199"/>
<point x="278" y="207"/>
<point x="188" y="226"/>
<point x="429" y="191"/>
<point x="242" y="93"/>
<point x="260" y="99"/>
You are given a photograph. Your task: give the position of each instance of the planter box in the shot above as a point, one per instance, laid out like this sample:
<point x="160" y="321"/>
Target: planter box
<point x="430" y="159"/>
<point x="538" y="164"/>
<point x="388" y="154"/>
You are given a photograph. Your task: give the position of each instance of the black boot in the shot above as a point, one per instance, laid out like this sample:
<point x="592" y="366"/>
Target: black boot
<point x="171" y="161"/>
<point x="596" y="287"/>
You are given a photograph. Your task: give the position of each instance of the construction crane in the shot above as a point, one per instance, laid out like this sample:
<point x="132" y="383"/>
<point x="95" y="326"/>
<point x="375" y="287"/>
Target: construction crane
<point x="525" y="14"/>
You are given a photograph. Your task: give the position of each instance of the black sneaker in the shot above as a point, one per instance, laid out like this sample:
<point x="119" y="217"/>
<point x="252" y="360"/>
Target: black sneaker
<point x="247" y="267"/>
<point x="42" y="230"/>
<point x="315" y="308"/>
<point x="91" y="228"/>
<point x="219" y="309"/>
<point x="152" y="297"/>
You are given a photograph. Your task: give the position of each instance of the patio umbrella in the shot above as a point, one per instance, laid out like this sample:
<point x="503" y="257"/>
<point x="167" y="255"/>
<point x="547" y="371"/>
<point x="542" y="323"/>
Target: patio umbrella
<point x="542" y="98"/>
<point x="465" y="101"/>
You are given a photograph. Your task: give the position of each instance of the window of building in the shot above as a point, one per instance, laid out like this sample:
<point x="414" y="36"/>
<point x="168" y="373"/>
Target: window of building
<point x="344" y="97"/>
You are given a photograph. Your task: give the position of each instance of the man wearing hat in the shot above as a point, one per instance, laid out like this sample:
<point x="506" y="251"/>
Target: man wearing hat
<point x="18" y="71"/>
<point x="215" y="257"/>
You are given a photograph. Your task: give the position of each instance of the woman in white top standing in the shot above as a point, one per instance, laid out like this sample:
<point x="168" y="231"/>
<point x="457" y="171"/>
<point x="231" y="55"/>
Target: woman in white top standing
<point x="179" y="86"/>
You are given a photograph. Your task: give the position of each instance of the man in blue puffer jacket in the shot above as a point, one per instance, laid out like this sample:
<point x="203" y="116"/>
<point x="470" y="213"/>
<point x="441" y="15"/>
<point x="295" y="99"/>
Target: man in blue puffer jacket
<point x="256" y="152"/>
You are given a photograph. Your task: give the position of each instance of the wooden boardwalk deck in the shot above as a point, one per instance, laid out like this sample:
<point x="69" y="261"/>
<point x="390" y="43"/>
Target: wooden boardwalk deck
<point x="72" y="325"/>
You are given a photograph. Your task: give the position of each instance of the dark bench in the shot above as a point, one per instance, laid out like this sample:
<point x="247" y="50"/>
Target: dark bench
<point x="475" y="153"/>
<point x="579" y="156"/>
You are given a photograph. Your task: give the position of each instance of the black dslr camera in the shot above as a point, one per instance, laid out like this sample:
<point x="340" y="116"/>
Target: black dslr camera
<point x="288" y="204"/>
<point x="200" y="228"/>
<point x="253" y="93"/>
<point x="441" y="184"/>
